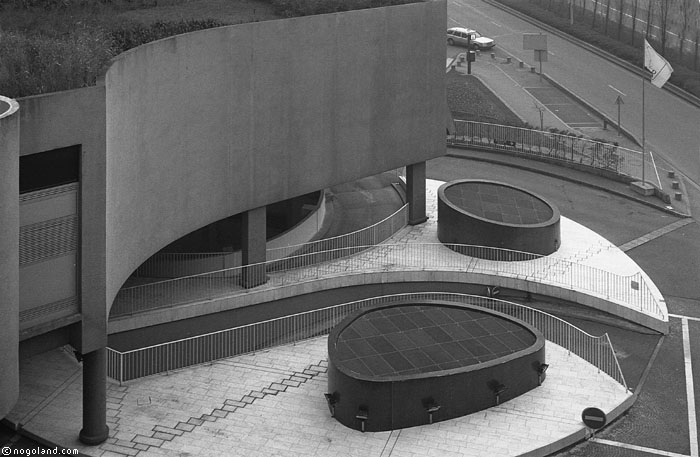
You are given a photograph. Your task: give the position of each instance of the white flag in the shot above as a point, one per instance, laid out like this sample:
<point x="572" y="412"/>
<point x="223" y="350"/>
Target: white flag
<point x="658" y="66"/>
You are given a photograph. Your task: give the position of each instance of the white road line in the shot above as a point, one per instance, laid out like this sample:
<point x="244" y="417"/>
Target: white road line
<point x="690" y="391"/>
<point x="680" y="316"/>
<point x="618" y="91"/>
<point x="637" y="448"/>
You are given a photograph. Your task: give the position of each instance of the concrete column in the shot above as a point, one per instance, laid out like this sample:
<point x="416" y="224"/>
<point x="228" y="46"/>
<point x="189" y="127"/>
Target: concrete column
<point x="9" y="254"/>
<point x="415" y="193"/>
<point x="95" y="429"/>
<point x="253" y="246"/>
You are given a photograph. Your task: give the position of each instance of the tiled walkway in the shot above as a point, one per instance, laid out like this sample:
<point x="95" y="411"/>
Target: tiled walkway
<point x="271" y="403"/>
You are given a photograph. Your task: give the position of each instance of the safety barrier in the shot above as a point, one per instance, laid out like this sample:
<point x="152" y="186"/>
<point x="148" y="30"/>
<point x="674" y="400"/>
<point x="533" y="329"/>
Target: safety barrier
<point x="571" y="149"/>
<point x="125" y="366"/>
<point x="631" y="290"/>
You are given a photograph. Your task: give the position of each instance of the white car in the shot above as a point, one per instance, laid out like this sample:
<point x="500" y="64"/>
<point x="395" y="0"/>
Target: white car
<point x="465" y="37"/>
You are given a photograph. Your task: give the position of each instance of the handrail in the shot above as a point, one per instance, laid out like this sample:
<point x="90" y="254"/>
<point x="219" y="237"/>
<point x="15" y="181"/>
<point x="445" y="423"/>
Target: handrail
<point x="124" y="366"/>
<point x="165" y="263"/>
<point x="579" y="151"/>
<point x="632" y="290"/>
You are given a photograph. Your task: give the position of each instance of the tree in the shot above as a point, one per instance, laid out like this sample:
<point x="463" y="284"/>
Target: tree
<point x="607" y="17"/>
<point x="595" y="13"/>
<point x="620" y="18"/>
<point x="635" y="9"/>
<point x="664" y="9"/>
<point x="687" y="8"/>
<point x="650" y="17"/>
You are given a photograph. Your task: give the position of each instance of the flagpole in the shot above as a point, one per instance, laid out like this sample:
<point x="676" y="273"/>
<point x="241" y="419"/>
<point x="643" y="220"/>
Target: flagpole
<point x="643" y="132"/>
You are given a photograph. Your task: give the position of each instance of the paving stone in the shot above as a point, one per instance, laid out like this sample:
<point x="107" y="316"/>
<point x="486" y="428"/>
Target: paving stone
<point x="277" y="386"/>
<point x="172" y="431"/>
<point x="163" y="436"/>
<point x="237" y="403"/>
<point x="290" y="383"/>
<point x="187" y="427"/>
<point x="195" y="421"/>
<point x="219" y="413"/>
<point x="121" y="450"/>
<point x="208" y="418"/>
<point x="247" y="399"/>
<point x="147" y="440"/>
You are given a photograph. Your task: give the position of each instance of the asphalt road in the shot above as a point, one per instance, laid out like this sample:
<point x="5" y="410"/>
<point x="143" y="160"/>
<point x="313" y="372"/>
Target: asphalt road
<point x="671" y="124"/>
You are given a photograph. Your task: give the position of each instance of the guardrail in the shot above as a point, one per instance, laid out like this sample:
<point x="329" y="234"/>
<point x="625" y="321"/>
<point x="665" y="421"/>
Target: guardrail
<point x="177" y="264"/>
<point x="238" y="282"/>
<point x="574" y="150"/>
<point x="125" y="366"/>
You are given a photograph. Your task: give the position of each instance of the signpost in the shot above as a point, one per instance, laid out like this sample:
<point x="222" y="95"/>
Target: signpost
<point x="594" y="418"/>
<point x="619" y="103"/>
<point x="538" y="43"/>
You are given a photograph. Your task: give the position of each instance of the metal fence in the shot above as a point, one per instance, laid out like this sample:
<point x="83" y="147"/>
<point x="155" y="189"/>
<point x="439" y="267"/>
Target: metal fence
<point x="236" y="283"/>
<point x="554" y="146"/>
<point x="182" y="264"/>
<point x="125" y="366"/>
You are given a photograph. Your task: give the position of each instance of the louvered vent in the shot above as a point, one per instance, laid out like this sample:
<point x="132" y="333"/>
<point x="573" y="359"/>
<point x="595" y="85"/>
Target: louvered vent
<point x="48" y="239"/>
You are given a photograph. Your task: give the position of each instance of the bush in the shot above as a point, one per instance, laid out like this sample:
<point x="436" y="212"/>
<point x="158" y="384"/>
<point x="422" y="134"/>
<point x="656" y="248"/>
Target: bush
<point x="292" y="8"/>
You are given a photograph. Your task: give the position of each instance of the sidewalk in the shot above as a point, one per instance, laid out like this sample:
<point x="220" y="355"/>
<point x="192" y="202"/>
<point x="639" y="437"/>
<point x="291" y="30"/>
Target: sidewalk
<point x="515" y="85"/>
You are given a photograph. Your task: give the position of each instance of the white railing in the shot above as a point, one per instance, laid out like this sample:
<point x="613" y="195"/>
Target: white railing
<point x="178" y="265"/>
<point x="124" y="366"/>
<point x="554" y="146"/>
<point x="632" y="291"/>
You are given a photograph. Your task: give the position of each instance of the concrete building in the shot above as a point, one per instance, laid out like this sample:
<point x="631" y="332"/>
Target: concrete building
<point x="190" y="130"/>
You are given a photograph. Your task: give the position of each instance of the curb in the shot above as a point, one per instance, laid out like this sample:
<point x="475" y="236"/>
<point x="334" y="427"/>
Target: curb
<point x="565" y="178"/>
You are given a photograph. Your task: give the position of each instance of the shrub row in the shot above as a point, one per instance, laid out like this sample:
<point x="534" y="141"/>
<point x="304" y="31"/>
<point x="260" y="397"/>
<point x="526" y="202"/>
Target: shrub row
<point x="35" y="63"/>
<point x="682" y="77"/>
<point x="292" y="8"/>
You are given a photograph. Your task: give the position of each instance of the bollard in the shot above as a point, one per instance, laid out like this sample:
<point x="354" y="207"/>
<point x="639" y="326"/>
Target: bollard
<point x="521" y="64"/>
<point x="679" y="196"/>
<point x="507" y="59"/>
<point x="675" y="185"/>
<point x="493" y="55"/>
<point x="532" y="69"/>
<point x="671" y="174"/>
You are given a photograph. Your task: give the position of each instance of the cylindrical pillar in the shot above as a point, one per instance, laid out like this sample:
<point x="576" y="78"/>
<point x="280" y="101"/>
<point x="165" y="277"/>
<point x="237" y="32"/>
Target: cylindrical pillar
<point x="415" y="193"/>
<point x="95" y="430"/>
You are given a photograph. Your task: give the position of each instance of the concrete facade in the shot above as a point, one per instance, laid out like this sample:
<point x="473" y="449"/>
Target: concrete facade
<point x="192" y="129"/>
<point x="214" y="123"/>
<point x="9" y="253"/>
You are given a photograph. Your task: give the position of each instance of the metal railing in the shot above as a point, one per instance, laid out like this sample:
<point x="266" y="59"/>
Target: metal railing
<point x="554" y="146"/>
<point x="125" y="366"/>
<point x="177" y="265"/>
<point x="231" y="283"/>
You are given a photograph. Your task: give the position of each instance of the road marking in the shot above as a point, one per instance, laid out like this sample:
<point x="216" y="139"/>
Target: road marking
<point x="637" y="448"/>
<point x="655" y="234"/>
<point x="680" y="316"/>
<point x="690" y="391"/>
<point x="618" y="91"/>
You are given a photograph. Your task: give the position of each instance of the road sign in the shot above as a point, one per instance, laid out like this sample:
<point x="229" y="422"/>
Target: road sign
<point x="534" y="41"/>
<point x="618" y="101"/>
<point x="594" y="418"/>
<point x="540" y="55"/>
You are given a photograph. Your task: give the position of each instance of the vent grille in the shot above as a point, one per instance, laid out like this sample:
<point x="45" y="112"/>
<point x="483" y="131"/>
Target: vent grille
<point x="48" y="239"/>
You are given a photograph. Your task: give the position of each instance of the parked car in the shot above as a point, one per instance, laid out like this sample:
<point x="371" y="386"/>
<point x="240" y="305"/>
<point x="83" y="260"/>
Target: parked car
<point x="464" y="37"/>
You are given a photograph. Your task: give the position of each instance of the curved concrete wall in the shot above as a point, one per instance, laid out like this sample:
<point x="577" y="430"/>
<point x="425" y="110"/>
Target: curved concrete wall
<point x="9" y="254"/>
<point x="213" y="123"/>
